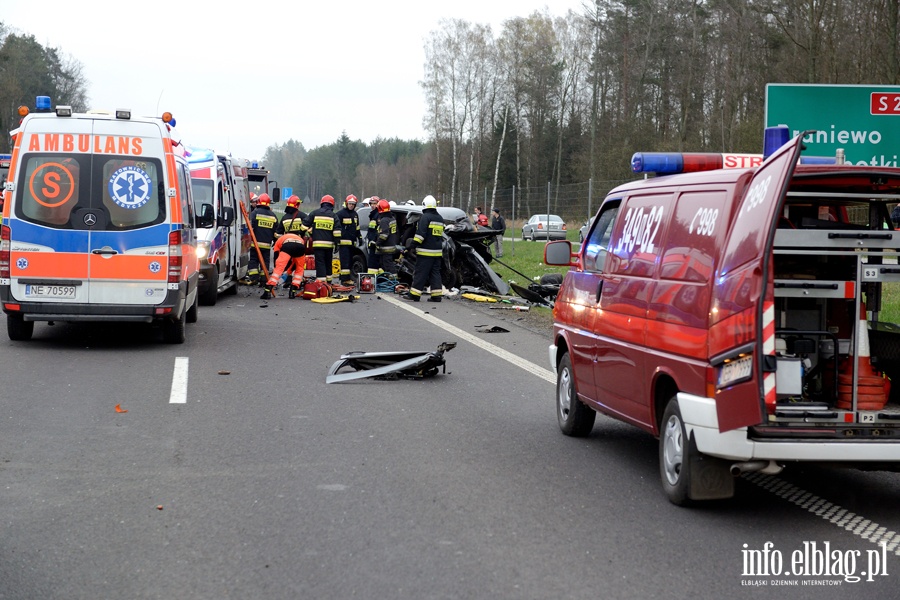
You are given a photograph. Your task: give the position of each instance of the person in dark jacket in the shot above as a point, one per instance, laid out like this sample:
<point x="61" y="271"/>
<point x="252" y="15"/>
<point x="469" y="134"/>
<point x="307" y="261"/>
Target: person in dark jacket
<point x="323" y="227"/>
<point x="428" y="244"/>
<point x="498" y="223"/>
<point x="384" y="245"/>
<point x="262" y="222"/>
<point x="292" y="221"/>
<point x="349" y="220"/>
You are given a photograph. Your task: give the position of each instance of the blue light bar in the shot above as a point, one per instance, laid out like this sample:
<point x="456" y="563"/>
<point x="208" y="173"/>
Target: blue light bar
<point x="774" y="138"/>
<point x="198" y="155"/>
<point x="657" y="162"/>
<point x="42" y="103"/>
<point x="818" y="160"/>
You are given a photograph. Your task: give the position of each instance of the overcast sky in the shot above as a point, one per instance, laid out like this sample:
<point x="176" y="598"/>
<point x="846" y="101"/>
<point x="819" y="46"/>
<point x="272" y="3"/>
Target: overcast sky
<point x="242" y="76"/>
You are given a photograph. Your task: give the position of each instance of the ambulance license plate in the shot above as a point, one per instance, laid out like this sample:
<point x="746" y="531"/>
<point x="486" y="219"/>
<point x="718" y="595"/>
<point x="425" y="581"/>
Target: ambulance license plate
<point x="49" y="291"/>
<point x="735" y="371"/>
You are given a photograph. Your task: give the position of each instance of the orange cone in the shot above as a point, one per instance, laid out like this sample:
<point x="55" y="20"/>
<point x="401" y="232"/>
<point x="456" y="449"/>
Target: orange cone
<point x="871" y="388"/>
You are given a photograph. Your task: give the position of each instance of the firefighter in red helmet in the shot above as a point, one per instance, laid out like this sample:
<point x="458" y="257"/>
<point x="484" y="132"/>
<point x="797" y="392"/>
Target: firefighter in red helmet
<point x="262" y="221"/>
<point x="349" y="220"/>
<point x="323" y="227"/>
<point x="385" y="243"/>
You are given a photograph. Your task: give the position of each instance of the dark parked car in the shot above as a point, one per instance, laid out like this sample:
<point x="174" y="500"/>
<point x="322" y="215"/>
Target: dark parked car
<point x="548" y="227"/>
<point x="466" y="252"/>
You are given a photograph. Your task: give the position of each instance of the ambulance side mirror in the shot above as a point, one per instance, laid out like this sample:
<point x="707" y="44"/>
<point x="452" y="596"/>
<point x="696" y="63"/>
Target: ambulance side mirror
<point x="227" y="216"/>
<point x="206" y="217"/>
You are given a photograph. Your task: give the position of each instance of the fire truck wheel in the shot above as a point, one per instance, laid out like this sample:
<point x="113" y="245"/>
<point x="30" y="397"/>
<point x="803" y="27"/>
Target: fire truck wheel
<point x="575" y="419"/>
<point x="675" y="453"/>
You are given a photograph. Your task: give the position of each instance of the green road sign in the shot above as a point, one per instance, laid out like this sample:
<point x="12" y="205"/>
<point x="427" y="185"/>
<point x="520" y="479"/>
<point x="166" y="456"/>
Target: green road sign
<point x="864" y="120"/>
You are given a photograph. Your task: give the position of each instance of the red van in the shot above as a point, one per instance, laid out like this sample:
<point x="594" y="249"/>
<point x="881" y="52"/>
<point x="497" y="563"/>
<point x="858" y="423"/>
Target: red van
<point x="735" y="315"/>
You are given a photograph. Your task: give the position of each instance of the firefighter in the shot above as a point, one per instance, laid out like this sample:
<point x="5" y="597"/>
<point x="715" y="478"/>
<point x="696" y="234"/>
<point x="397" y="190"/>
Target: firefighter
<point x="349" y="220"/>
<point x="374" y="263"/>
<point x="428" y="244"/>
<point x="262" y="221"/>
<point x="323" y="227"/>
<point x="290" y="249"/>
<point x="292" y="221"/>
<point x="386" y="242"/>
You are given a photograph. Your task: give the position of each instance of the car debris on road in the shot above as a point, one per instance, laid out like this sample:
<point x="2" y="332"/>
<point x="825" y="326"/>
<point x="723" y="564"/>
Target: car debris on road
<point x="389" y="365"/>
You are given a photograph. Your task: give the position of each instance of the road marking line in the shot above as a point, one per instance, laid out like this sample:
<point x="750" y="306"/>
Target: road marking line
<point x="836" y="515"/>
<point x="545" y="374"/>
<point x="179" y="381"/>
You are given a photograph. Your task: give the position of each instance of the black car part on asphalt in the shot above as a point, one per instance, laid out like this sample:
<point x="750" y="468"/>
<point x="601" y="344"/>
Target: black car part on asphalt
<point x="389" y="365"/>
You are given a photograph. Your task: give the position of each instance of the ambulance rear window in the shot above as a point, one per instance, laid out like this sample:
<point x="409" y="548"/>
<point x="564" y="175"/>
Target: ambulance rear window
<point x="132" y="192"/>
<point x="50" y="188"/>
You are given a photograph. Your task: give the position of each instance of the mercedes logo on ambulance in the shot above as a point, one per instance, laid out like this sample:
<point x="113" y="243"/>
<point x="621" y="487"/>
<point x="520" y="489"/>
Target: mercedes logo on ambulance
<point x="90" y="219"/>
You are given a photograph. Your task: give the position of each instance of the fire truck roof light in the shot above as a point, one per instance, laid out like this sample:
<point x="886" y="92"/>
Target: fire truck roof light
<point x="669" y="163"/>
<point x="818" y="160"/>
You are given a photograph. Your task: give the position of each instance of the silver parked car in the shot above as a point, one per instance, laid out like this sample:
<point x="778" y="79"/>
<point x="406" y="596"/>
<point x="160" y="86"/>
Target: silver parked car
<point x="582" y="233"/>
<point x="548" y="227"/>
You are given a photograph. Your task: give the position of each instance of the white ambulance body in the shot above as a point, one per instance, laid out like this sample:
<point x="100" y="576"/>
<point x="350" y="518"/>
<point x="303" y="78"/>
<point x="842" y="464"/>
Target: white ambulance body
<point x="98" y="224"/>
<point x="219" y="188"/>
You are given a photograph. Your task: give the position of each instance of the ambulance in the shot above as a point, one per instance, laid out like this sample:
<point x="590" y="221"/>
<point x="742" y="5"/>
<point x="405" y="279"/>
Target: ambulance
<point x="220" y="187"/>
<point x="735" y="314"/>
<point x="98" y="223"/>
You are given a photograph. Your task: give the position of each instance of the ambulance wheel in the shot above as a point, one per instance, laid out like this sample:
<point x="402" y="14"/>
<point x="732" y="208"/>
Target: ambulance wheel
<point x="193" y="311"/>
<point x="173" y="330"/>
<point x="575" y="419"/>
<point x="675" y="454"/>
<point x="211" y="294"/>
<point x="18" y="329"/>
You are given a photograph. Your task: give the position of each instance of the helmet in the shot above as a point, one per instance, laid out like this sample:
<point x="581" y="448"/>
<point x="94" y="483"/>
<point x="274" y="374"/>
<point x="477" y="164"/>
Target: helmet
<point x="264" y="200"/>
<point x="384" y="206"/>
<point x="326" y="199"/>
<point x="293" y="201"/>
<point x="351" y="199"/>
<point x="429" y="202"/>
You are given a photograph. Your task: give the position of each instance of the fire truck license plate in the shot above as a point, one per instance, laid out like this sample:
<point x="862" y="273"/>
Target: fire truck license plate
<point x="736" y="370"/>
<point x="49" y="291"/>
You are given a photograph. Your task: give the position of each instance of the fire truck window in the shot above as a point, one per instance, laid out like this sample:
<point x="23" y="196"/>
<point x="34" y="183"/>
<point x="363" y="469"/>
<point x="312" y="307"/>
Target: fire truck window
<point x="598" y="243"/>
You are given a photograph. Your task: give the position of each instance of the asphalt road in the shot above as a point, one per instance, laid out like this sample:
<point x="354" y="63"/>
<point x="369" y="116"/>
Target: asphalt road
<point x="236" y="472"/>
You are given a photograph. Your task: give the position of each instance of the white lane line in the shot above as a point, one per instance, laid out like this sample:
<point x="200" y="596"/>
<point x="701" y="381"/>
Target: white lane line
<point x="545" y="374"/>
<point x="840" y="517"/>
<point x="179" y="381"/>
<point x="833" y="513"/>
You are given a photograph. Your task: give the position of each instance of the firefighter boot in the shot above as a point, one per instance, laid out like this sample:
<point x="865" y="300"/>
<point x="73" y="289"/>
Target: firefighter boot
<point x="268" y="292"/>
<point x="293" y="291"/>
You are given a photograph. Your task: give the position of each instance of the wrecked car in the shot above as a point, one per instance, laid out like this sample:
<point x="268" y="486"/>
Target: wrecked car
<point x="467" y="256"/>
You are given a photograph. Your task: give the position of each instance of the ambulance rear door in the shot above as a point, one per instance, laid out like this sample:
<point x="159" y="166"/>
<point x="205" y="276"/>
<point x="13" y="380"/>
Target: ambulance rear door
<point x="742" y="320"/>
<point x="129" y="251"/>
